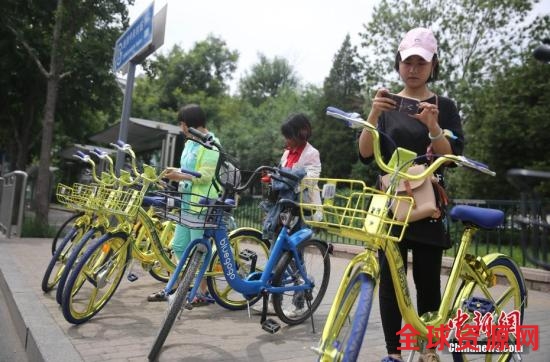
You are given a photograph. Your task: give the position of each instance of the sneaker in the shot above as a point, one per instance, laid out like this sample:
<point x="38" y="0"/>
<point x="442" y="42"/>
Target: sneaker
<point x="258" y="308"/>
<point x="207" y="297"/>
<point x="202" y="299"/>
<point x="295" y="312"/>
<point x="157" y="297"/>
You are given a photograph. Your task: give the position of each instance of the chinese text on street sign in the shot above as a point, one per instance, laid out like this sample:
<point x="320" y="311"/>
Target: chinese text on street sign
<point x="138" y="36"/>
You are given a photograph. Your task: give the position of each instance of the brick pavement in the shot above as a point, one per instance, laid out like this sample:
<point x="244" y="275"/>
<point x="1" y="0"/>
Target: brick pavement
<point x="125" y="328"/>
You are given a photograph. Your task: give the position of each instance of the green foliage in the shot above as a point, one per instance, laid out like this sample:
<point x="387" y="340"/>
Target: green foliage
<point x="253" y="134"/>
<point x="33" y="228"/>
<point x="267" y="79"/>
<point x="342" y="88"/>
<point x="182" y="77"/>
<point x="512" y="112"/>
<point x="88" y="97"/>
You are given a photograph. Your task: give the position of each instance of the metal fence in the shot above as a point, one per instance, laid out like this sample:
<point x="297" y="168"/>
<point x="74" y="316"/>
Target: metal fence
<point x="12" y="202"/>
<point x="505" y="239"/>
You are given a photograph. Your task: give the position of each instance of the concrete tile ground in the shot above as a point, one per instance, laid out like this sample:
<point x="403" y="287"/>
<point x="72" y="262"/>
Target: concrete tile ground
<point x="125" y="328"/>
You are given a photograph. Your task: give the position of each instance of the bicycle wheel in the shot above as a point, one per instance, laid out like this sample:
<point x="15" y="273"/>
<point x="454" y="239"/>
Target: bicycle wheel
<point x="176" y="301"/>
<point x="95" y="277"/>
<point x="248" y="248"/>
<point x="151" y="245"/>
<point x="292" y="306"/>
<point x="157" y="270"/>
<point x="347" y="330"/>
<point x="77" y="249"/>
<point x="507" y="296"/>
<point x="65" y="229"/>
<point x="55" y="267"/>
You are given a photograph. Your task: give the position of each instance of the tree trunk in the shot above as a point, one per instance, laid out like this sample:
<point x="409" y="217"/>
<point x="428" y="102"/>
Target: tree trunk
<point x="43" y="186"/>
<point x="43" y="182"/>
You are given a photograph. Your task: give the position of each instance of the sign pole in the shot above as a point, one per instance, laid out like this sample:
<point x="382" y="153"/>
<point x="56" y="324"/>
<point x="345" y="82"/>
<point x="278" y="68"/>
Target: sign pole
<point x="125" y="118"/>
<point x="140" y="40"/>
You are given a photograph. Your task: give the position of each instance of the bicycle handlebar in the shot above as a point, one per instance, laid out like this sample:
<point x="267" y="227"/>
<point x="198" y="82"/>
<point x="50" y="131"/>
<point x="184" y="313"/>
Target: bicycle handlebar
<point x="188" y="172"/>
<point x="206" y="139"/>
<point x="149" y="173"/>
<point x="127" y="149"/>
<point x="209" y="142"/>
<point x="354" y="120"/>
<point x="192" y="173"/>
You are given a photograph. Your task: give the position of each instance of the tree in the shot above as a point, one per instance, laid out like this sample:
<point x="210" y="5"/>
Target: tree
<point x="253" y="134"/>
<point x="173" y="79"/>
<point x="343" y="89"/>
<point x="267" y="79"/>
<point x="513" y="113"/>
<point x="49" y="34"/>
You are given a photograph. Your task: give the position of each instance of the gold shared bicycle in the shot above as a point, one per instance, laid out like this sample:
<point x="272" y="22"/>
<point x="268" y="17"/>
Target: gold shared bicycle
<point x="489" y="288"/>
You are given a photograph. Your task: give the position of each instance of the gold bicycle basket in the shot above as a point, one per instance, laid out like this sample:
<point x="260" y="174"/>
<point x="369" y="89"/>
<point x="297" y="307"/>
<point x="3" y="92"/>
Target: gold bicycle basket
<point x="351" y="209"/>
<point x="124" y="202"/>
<point x="78" y="196"/>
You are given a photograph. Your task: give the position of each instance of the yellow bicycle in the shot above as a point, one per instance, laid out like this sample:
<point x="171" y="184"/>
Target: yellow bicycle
<point x="95" y="273"/>
<point x="85" y="226"/>
<point x="490" y="286"/>
<point x="150" y="235"/>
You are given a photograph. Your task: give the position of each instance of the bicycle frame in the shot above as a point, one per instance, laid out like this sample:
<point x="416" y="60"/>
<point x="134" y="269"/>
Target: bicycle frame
<point x="469" y="274"/>
<point x="368" y="263"/>
<point x="247" y="286"/>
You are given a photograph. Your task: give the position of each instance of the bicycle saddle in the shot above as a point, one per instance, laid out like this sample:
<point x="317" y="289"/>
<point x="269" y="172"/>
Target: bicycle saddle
<point x="480" y="216"/>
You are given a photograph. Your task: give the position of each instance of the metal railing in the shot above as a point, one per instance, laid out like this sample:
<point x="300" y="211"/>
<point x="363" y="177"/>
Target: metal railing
<point x="12" y="202"/>
<point x="505" y="239"/>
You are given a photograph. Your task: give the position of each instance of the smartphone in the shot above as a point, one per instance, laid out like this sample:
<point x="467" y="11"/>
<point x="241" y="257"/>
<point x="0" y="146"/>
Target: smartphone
<point x="405" y="104"/>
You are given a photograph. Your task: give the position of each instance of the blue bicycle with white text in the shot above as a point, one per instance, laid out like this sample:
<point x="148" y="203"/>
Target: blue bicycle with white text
<point x="296" y="274"/>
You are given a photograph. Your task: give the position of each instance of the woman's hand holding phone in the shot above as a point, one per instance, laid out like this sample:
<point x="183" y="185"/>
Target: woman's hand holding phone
<point x="404" y="104"/>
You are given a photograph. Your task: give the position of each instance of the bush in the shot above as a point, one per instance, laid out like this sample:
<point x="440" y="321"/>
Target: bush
<point x="32" y="228"/>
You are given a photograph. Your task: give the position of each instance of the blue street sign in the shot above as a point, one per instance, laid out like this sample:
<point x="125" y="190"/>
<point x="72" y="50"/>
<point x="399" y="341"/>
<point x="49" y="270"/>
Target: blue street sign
<point x="138" y="36"/>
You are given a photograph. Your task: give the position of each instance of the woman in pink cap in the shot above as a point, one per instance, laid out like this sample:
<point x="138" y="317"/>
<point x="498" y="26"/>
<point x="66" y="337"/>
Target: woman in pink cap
<point x="434" y="128"/>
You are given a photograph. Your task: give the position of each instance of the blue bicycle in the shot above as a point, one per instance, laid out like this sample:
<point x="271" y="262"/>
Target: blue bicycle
<point x="296" y="273"/>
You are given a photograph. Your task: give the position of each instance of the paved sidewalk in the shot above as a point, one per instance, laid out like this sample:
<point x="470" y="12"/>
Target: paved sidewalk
<point x="125" y="328"/>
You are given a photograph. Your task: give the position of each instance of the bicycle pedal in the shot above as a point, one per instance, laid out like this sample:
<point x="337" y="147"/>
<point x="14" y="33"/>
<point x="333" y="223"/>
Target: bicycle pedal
<point x="481" y="305"/>
<point x="132" y="277"/>
<point x="247" y="255"/>
<point x="271" y="326"/>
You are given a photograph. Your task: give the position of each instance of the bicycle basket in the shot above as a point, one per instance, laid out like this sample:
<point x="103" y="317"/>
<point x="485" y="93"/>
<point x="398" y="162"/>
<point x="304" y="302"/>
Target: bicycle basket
<point x="78" y="196"/>
<point x="354" y="210"/>
<point x="119" y="201"/>
<point x="229" y="174"/>
<point x="193" y="210"/>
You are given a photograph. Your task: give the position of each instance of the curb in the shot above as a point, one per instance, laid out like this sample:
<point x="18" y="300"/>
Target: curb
<point x="535" y="279"/>
<point x="40" y="335"/>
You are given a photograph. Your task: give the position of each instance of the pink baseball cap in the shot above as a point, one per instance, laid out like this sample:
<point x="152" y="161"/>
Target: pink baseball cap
<point x="418" y="41"/>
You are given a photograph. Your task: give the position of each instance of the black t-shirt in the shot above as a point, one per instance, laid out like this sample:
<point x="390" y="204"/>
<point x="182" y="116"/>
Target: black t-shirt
<point x="398" y="129"/>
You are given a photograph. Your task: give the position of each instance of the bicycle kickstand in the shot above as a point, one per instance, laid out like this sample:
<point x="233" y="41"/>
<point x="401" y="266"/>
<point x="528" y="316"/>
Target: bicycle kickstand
<point x="308" y="301"/>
